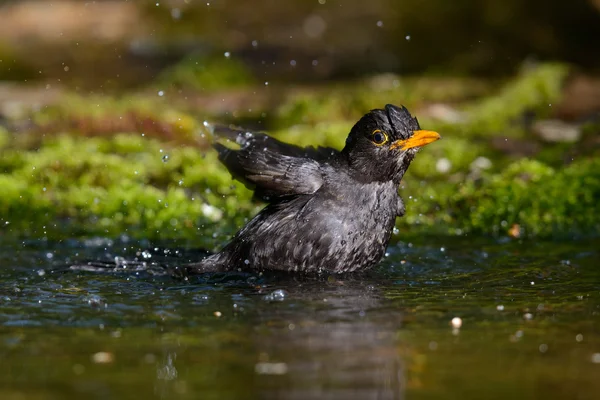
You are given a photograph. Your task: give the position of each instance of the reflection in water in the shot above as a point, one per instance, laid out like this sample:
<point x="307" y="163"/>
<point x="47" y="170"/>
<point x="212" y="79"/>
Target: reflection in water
<point x="335" y="349"/>
<point x="314" y="339"/>
<point x="166" y="374"/>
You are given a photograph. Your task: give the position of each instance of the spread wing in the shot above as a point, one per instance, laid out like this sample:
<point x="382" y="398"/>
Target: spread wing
<point x="272" y="168"/>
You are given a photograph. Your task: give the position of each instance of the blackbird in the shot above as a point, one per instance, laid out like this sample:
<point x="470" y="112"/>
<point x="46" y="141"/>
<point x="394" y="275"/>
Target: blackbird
<point x="328" y="210"/>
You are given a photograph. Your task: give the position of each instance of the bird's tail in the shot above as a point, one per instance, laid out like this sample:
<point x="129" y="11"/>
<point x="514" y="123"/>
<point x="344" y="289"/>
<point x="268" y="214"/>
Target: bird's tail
<point x="211" y="263"/>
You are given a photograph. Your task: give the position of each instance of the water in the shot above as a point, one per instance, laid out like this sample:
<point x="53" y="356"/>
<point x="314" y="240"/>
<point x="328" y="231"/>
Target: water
<point x="530" y="314"/>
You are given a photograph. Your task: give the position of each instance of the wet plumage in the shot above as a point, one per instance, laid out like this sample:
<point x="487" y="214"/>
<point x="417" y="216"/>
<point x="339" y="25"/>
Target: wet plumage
<point x="328" y="210"/>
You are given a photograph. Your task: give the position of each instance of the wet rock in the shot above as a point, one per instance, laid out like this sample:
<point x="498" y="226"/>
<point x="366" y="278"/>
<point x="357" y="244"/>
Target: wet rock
<point x="580" y="98"/>
<point x="444" y="112"/>
<point x="61" y="21"/>
<point x="481" y="163"/>
<point x="557" y="131"/>
<point x="18" y="100"/>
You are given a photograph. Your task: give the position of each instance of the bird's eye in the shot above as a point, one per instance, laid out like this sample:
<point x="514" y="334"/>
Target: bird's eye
<point x="379" y="137"/>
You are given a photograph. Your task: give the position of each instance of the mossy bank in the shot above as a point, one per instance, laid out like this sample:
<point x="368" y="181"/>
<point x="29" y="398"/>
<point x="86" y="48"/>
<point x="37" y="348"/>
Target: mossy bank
<point x="154" y="175"/>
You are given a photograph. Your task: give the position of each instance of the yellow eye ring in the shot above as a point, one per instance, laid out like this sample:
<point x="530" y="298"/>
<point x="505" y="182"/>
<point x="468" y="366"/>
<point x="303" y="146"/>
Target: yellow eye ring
<point x="379" y="137"/>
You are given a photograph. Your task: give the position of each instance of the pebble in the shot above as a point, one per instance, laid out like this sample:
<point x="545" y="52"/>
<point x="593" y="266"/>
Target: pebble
<point x="103" y="357"/>
<point x="266" y="368"/>
<point x="456" y="322"/>
<point x="557" y="131"/>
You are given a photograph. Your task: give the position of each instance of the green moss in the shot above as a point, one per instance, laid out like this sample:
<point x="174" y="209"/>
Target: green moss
<point x="104" y="115"/>
<point x="505" y="112"/>
<point x="207" y="74"/>
<point x="455" y="154"/>
<point x="542" y="200"/>
<point x="124" y="184"/>
<point x="348" y="101"/>
<point x="144" y="187"/>
<point x="533" y="92"/>
<point x="331" y="134"/>
<point x="167" y="184"/>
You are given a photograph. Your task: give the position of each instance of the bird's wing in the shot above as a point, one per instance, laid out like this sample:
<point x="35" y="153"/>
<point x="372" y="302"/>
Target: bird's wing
<point x="270" y="167"/>
<point x="246" y="139"/>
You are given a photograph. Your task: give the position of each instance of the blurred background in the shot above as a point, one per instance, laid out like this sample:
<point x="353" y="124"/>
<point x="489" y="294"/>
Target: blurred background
<point x="124" y="44"/>
<point x="504" y="82"/>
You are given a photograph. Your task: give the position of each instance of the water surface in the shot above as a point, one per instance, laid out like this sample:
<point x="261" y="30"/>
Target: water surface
<point x="529" y="313"/>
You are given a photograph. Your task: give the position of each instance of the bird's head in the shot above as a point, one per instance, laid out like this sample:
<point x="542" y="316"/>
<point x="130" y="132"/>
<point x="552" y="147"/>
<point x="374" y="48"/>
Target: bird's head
<point x="382" y="144"/>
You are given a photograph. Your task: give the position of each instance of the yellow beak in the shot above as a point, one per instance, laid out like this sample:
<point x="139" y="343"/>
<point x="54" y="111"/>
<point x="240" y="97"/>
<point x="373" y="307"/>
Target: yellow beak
<point x="418" y="139"/>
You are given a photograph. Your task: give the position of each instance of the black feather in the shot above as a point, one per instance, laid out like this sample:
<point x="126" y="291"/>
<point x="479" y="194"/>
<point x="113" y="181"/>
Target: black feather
<point x="270" y="167"/>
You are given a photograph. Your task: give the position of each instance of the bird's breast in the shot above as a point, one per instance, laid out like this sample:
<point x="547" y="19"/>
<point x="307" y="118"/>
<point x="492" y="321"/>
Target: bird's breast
<point x="357" y="225"/>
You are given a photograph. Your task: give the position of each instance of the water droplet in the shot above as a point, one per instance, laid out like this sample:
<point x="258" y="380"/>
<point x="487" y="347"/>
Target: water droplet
<point x="120" y="262"/>
<point x="161" y="93"/>
<point x="255" y="43"/>
<point x="314" y="26"/>
<point x="247" y="262"/>
<point x="227" y="55"/>
<point x="94" y="300"/>
<point x="276" y="295"/>
<point x="407" y="37"/>
<point x="165" y="158"/>
<point x="380" y="23"/>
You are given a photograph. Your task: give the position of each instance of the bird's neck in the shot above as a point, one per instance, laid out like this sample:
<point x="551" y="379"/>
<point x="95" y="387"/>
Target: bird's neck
<point x="359" y="170"/>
